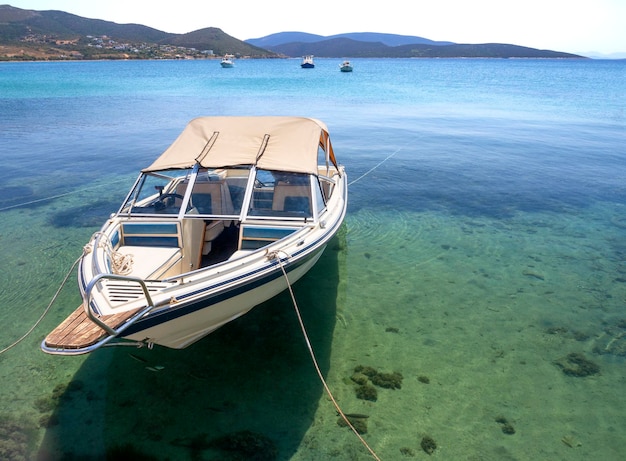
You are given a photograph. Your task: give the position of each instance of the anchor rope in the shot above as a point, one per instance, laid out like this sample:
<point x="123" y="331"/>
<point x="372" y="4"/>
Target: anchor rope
<point x="274" y="255"/>
<point x="45" y="312"/>
<point x="52" y="197"/>
<point x="86" y="250"/>
<point x="377" y="165"/>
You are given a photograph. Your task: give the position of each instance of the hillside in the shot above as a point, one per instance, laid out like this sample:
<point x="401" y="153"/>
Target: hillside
<point x="53" y="35"/>
<point x="373" y="45"/>
<point x="31" y="35"/>
<point x="346" y="47"/>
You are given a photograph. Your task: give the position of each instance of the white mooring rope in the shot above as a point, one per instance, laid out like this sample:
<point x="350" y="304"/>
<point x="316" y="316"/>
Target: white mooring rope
<point x="274" y="255"/>
<point x="376" y="166"/>
<point x="52" y="197"/>
<point x="46" y="310"/>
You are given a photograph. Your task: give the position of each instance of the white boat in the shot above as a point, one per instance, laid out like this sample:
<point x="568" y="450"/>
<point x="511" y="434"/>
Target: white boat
<point x="228" y="61"/>
<point x="206" y="232"/>
<point x="307" y="62"/>
<point x="346" y="66"/>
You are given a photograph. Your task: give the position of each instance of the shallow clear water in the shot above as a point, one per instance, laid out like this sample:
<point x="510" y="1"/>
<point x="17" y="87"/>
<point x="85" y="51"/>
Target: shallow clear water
<point x="484" y="243"/>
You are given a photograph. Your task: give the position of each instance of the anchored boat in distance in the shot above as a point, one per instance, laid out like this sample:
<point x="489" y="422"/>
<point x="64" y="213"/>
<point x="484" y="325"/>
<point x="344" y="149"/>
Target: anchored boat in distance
<point x="307" y="62"/>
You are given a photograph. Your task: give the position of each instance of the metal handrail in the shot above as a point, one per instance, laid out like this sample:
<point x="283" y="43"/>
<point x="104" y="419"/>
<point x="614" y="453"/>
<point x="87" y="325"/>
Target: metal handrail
<point x="92" y="315"/>
<point x="99" y="236"/>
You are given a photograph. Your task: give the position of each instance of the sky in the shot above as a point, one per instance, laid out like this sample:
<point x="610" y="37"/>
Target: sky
<point x="574" y="26"/>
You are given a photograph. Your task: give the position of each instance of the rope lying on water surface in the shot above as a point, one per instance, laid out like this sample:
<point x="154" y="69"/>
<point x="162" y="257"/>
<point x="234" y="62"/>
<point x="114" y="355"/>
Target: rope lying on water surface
<point x="274" y="255"/>
<point x="121" y="264"/>
<point x="64" y="194"/>
<point x="46" y="310"/>
<point x="376" y="166"/>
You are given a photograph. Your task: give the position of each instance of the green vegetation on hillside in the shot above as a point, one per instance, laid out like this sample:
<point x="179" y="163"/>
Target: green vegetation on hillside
<point x="54" y="35"/>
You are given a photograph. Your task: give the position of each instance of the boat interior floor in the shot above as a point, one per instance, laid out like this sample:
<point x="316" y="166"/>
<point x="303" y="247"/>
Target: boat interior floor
<point x="223" y="246"/>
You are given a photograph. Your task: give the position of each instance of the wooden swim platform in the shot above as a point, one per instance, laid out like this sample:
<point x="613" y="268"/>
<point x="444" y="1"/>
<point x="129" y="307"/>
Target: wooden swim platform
<point x="78" y="331"/>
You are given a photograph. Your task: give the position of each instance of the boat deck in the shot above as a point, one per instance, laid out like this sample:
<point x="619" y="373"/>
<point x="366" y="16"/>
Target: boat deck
<point x="78" y="331"/>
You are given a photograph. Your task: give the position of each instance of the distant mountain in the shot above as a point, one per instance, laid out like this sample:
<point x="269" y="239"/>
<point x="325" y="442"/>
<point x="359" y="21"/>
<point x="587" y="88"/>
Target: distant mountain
<point x="29" y="34"/>
<point x="283" y="38"/>
<point x="375" y="45"/>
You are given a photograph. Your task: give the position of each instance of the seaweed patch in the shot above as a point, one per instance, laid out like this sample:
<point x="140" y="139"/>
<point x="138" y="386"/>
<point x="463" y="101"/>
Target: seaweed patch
<point x="576" y="364"/>
<point x="506" y="426"/>
<point x="428" y="444"/>
<point x="366" y="392"/>
<point x="386" y="380"/>
<point x="358" y="422"/>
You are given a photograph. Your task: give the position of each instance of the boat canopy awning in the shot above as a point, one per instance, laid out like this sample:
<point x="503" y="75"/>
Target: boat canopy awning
<point x="269" y="142"/>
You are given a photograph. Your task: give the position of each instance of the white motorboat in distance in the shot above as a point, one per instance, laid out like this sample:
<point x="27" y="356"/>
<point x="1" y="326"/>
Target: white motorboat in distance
<point x="307" y="62"/>
<point x="228" y="61"/>
<point x="346" y="66"/>
<point x="206" y="232"/>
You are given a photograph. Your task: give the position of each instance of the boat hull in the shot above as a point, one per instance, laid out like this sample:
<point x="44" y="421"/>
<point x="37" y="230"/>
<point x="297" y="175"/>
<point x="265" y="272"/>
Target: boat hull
<point x="181" y="326"/>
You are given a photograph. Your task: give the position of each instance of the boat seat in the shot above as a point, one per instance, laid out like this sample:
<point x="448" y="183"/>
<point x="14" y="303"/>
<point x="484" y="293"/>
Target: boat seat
<point x="207" y="200"/>
<point x="212" y="198"/>
<point x="212" y="230"/>
<point x="292" y="198"/>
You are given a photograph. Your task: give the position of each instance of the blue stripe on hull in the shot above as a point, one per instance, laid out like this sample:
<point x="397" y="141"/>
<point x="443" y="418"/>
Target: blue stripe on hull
<point x="172" y="313"/>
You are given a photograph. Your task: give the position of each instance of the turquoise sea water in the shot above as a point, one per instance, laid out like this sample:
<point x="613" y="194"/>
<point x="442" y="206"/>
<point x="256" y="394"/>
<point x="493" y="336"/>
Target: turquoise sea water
<point x="483" y="256"/>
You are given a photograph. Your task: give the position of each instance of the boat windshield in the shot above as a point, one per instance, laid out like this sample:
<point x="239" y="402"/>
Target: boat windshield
<point x="281" y="194"/>
<point x="219" y="192"/>
<point x="156" y="193"/>
<point x="214" y="192"/>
